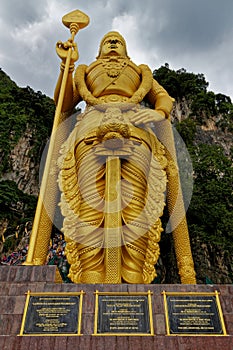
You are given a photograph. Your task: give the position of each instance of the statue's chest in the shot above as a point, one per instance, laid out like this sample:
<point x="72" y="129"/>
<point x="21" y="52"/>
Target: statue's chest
<point x="113" y="77"/>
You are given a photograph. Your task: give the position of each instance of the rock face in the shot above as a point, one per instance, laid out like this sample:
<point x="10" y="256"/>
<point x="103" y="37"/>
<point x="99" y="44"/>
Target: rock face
<point x="24" y="171"/>
<point x="208" y="131"/>
<point x="180" y="110"/>
<point x="212" y="135"/>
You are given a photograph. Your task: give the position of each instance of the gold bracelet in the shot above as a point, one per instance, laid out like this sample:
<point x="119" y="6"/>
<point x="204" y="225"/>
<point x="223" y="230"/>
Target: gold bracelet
<point x="71" y="67"/>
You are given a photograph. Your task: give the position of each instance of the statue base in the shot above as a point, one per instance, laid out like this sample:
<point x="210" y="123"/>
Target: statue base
<point x="16" y="281"/>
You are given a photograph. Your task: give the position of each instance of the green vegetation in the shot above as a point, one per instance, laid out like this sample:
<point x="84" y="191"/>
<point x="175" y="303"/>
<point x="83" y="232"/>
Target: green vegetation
<point x="14" y="203"/>
<point x="210" y="211"/>
<point x="22" y="108"/>
<point x="187" y="130"/>
<point x="180" y="83"/>
<point x="192" y="87"/>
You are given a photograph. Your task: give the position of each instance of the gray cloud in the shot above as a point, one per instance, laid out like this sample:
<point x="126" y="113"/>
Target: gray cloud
<point x="197" y="25"/>
<point x="17" y="13"/>
<point x="196" y="35"/>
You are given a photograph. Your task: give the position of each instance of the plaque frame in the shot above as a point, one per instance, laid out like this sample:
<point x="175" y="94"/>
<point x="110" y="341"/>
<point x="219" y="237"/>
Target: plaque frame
<point x="150" y="314"/>
<point x="188" y="294"/>
<point x="29" y="294"/>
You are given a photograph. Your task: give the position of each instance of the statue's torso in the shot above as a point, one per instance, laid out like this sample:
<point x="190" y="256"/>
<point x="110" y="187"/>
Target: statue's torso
<point x="106" y="77"/>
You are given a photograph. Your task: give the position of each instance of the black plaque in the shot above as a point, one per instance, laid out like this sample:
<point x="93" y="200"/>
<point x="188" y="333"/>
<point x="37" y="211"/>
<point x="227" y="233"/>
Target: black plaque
<point x="124" y="314"/>
<point x="194" y="314"/>
<point x="51" y="314"/>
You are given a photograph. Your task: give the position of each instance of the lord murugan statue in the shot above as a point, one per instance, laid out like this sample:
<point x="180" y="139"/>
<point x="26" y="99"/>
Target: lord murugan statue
<point x="115" y="168"/>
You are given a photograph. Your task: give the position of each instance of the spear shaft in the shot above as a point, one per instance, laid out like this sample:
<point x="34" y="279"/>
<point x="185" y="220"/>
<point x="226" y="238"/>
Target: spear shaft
<point x="74" y="27"/>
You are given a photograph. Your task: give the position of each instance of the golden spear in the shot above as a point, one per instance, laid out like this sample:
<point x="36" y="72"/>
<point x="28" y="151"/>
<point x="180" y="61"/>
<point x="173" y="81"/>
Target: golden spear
<point x="42" y="225"/>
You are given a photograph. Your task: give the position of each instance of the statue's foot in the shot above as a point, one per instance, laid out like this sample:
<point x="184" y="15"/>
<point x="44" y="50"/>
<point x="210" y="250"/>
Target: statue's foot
<point x="91" y="277"/>
<point x="130" y="276"/>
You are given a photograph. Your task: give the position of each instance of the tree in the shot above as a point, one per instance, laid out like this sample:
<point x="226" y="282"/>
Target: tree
<point x="212" y="203"/>
<point x="180" y="83"/>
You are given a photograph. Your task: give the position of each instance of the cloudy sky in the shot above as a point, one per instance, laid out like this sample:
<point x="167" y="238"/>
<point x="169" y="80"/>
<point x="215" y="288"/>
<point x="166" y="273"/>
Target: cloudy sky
<point x="193" y="34"/>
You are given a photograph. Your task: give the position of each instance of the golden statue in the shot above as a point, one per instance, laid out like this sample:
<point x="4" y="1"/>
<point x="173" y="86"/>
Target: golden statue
<point x="115" y="169"/>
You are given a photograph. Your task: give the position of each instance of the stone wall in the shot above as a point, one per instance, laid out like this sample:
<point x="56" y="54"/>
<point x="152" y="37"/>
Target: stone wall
<point x="15" y="281"/>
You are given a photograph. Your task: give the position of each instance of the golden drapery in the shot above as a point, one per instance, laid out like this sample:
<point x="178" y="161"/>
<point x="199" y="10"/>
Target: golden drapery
<point x="141" y="187"/>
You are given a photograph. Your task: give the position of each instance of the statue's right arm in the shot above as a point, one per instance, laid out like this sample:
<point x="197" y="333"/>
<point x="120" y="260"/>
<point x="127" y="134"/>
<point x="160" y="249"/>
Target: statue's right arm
<point x="71" y="95"/>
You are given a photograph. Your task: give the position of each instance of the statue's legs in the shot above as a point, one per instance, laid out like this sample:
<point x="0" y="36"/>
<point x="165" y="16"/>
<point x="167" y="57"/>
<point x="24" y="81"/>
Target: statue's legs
<point x="111" y="233"/>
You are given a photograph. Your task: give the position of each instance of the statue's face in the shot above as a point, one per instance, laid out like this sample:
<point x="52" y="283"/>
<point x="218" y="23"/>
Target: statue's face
<point x="113" y="46"/>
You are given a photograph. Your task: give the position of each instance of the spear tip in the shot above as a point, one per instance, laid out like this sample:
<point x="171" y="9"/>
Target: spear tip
<point x="76" y="17"/>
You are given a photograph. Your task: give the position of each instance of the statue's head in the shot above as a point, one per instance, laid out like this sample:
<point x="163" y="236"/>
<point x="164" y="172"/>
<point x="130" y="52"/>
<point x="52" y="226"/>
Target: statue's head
<point x="112" y="44"/>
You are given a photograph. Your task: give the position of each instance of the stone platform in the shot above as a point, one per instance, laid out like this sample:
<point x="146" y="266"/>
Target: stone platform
<point x="15" y="281"/>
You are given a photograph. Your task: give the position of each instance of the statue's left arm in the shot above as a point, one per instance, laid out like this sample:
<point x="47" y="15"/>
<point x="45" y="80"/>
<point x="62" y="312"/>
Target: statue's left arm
<point x="160" y="99"/>
<point x="156" y="96"/>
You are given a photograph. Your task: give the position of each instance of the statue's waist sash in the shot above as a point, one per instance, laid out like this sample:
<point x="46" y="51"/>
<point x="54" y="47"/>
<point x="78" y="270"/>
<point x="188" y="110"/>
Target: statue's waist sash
<point x="94" y="118"/>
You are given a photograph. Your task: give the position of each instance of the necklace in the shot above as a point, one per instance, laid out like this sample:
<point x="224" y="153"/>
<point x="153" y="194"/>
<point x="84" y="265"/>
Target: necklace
<point x="114" y="66"/>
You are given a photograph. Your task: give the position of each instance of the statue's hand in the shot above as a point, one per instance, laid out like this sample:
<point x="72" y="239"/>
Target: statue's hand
<point x="145" y="116"/>
<point x="63" y="48"/>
